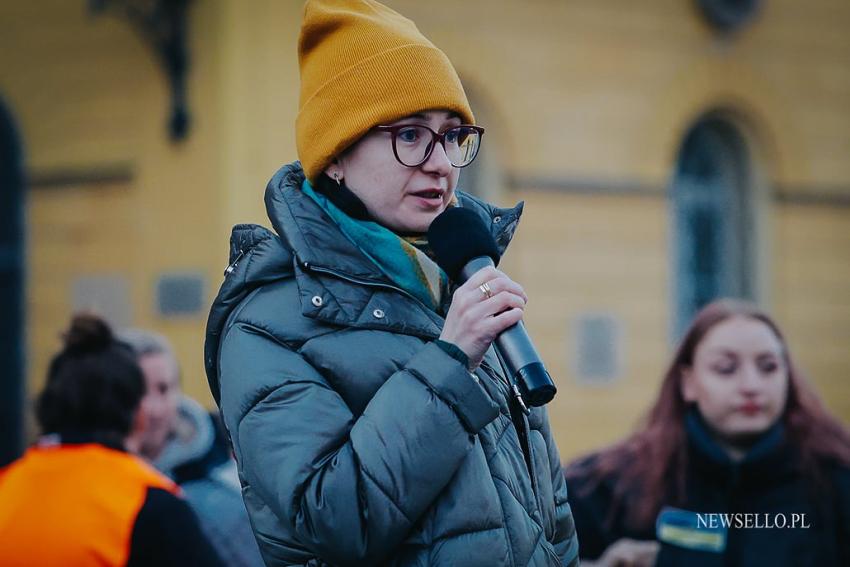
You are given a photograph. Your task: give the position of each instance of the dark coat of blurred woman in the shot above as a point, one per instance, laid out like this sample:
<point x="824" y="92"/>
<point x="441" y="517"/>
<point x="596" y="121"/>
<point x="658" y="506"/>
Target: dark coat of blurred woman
<point x="78" y="498"/>
<point x="371" y="419"/>
<point x="738" y="462"/>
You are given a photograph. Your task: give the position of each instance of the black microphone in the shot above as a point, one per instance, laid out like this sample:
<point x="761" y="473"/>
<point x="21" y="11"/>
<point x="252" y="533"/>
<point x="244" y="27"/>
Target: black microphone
<point x="463" y="245"/>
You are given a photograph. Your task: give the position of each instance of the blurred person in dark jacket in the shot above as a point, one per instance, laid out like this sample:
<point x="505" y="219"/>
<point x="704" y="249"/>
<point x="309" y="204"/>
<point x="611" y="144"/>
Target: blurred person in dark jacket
<point x="78" y="498"/>
<point x="738" y="462"/>
<point x="189" y="446"/>
<point x="371" y="419"/>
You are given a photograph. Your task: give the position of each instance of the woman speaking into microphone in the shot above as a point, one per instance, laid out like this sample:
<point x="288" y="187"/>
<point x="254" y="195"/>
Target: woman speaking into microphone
<point x="368" y="412"/>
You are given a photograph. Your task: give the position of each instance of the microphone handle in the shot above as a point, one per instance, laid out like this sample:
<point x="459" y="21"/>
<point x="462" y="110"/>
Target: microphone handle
<point x="521" y="358"/>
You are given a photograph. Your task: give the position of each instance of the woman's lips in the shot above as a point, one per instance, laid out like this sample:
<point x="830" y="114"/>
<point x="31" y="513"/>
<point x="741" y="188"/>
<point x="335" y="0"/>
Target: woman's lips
<point x="429" y="199"/>
<point x="750" y="409"/>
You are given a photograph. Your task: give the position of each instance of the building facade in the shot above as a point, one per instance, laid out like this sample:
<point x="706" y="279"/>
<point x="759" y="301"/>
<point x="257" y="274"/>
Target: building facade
<point x="663" y="161"/>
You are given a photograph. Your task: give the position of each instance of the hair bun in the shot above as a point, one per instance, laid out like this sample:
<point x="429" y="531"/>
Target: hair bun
<point x="87" y="333"/>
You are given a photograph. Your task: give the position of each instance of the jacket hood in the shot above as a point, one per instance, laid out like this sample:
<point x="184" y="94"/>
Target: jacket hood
<point x="305" y="237"/>
<point x="257" y="256"/>
<point x="194" y="445"/>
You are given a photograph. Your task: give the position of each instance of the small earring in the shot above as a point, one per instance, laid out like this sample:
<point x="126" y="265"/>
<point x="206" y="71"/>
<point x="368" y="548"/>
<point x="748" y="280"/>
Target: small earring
<point x="336" y="178"/>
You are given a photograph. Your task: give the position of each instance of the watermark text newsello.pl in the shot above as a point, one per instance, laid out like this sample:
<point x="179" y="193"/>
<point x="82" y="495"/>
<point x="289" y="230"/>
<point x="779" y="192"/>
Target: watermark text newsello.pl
<point x="753" y="521"/>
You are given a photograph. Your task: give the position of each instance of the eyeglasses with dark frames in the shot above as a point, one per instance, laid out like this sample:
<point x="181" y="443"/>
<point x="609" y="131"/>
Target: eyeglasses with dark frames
<point x="414" y="143"/>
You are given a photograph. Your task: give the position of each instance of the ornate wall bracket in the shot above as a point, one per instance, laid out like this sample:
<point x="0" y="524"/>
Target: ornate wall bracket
<point x="163" y="25"/>
<point x="728" y="16"/>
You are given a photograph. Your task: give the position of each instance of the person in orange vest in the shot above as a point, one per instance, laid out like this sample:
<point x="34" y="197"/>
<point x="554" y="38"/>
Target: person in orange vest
<point x="78" y="498"/>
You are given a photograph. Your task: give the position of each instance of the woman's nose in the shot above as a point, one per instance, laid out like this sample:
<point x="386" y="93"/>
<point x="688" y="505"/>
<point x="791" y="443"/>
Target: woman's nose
<point x="438" y="162"/>
<point x="750" y="380"/>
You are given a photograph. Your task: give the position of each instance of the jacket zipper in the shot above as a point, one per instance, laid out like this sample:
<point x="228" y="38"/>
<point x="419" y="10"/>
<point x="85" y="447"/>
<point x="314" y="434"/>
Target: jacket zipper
<point x="229" y="269"/>
<point x="521" y="424"/>
<point x="513" y="389"/>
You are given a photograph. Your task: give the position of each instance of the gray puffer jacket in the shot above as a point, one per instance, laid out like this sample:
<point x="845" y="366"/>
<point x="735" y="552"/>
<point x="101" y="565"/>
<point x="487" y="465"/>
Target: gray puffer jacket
<point x="358" y="440"/>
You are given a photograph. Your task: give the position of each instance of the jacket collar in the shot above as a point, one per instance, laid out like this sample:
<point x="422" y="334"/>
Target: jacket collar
<point x="327" y="263"/>
<point x="194" y="452"/>
<point x="770" y="456"/>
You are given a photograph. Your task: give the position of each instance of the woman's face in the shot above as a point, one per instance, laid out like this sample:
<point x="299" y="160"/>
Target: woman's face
<point x="404" y="199"/>
<point x="739" y="379"/>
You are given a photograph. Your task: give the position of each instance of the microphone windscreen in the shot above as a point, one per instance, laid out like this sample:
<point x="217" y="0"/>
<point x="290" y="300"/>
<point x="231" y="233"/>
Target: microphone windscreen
<point x="457" y="236"/>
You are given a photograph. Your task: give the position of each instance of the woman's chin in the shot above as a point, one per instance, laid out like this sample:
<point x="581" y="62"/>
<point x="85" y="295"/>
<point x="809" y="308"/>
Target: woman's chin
<point x="745" y="432"/>
<point x="417" y="222"/>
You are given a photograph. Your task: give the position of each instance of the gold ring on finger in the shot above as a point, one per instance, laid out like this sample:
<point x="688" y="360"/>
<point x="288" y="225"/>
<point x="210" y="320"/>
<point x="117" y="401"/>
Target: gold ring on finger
<point x="485" y="289"/>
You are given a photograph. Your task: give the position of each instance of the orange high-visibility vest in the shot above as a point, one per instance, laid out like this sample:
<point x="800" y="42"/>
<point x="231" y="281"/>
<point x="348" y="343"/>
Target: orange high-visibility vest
<point x="72" y="505"/>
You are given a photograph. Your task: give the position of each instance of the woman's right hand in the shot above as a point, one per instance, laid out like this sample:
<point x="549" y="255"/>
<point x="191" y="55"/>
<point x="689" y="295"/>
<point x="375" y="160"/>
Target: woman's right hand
<point x="475" y="320"/>
<point x="627" y="552"/>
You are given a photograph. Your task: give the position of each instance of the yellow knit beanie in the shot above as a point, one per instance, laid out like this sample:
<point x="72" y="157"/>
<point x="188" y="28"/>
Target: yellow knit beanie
<point x="362" y="64"/>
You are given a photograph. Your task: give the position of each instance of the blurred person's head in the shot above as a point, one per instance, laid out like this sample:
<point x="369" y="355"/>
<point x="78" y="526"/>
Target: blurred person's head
<point x="734" y="367"/>
<point x="381" y="110"/>
<point x="162" y="377"/>
<point x="94" y="386"/>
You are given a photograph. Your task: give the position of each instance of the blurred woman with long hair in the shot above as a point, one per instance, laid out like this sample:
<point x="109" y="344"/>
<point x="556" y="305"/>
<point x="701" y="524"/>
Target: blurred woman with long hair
<point x="738" y="462"/>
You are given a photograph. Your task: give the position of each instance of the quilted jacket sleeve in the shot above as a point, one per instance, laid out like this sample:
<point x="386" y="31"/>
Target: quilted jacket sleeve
<point x="349" y="489"/>
<point x="565" y="540"/>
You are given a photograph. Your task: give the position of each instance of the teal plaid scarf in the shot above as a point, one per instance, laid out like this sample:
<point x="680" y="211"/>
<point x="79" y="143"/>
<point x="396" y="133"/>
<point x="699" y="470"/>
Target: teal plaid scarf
<point x="406" y="260"/>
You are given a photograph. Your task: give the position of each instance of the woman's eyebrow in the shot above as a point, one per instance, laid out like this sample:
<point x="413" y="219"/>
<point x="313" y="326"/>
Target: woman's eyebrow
<point x="407" y="119"/>
<point x="422" y="116"/>
<point x="722" y="351"/>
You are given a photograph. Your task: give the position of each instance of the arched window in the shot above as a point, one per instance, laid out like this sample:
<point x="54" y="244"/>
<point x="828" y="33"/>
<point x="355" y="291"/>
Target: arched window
<point x="713" y="219"/>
